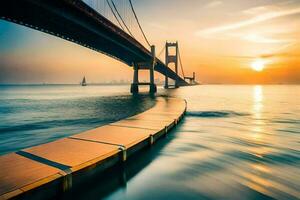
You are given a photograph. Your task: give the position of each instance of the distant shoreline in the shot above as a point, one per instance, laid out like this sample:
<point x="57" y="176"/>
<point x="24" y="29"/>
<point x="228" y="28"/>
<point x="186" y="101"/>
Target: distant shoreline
<point x="127" y="84"/>
<point x="58" y="84"/>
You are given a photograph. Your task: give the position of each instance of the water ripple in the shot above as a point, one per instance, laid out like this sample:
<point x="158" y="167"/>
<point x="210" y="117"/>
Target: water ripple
<point x="214" y="114"/>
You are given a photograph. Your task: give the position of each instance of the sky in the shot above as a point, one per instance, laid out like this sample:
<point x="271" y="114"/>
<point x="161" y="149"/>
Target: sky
<point x="220" y="40"/>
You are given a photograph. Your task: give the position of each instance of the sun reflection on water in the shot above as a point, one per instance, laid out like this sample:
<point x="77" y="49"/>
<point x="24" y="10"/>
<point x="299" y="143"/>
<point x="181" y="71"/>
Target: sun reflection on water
<point x="257" y="113"/>
<point x="225" y="156"/>
<point x="257" y="103"/>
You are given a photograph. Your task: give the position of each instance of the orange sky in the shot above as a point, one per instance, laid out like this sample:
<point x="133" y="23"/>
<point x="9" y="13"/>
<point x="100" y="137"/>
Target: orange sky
<point x="219" y="40"/>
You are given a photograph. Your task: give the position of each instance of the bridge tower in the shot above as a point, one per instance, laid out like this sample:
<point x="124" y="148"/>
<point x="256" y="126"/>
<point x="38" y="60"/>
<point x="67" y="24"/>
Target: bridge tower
<point x="192" y="79"/>
<point x="171" y="59"/>
<point x="144" y="66"/>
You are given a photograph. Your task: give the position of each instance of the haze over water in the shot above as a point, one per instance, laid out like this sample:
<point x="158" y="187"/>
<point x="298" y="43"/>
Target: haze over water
<point x="235" y="142"/>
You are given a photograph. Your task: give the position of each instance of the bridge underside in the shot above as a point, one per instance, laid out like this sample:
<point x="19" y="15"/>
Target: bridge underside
<point x="73" y="20"/>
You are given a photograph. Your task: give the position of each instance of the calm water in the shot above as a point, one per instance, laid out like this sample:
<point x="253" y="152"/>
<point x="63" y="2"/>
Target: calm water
<point x="32" y="115"/>
<point x="236" y="142"/>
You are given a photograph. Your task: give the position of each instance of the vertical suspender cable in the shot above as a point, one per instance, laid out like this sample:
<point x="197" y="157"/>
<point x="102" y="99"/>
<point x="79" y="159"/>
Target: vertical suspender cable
<point x="121" y="18"/>
<point x="180" y="61"/>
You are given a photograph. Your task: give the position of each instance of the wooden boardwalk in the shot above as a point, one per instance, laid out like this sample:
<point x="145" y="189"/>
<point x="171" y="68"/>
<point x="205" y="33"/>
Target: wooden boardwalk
<point x="49" y="169"/>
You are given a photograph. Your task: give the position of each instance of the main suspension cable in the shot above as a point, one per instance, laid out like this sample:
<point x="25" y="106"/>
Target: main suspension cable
<point x="161" y="51"/>
<point x="137" y="20"/>
<point x="113" y="12"/>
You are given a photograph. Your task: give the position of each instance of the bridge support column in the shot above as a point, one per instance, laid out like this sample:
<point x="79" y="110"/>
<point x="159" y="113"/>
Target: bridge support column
<point x="153" y="88"/>
<point x="134" y="89"/>
<point x="172" y="59"/>
<point x="176" y="64"/>
<point x="194" y="78"/>
<point x="148" y="65"/>
<point x="166" y="82"/>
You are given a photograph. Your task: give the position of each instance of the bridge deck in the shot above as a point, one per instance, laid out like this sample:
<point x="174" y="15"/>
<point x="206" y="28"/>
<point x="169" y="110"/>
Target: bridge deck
<point x="52" y="168"/>
<point x="75" y="21"/>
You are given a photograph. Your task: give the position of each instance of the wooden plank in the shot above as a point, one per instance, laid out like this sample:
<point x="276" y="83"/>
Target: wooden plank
<point x="157" y="118"/>
<point x="33" y="167"/>
<point x="17" y="171"/>
<point x="175" y="106"/>
<point x="141" y="124"/>
<point x="151" y="117"/>
<point x="73" y="153"/>
<point x="121" y="136"/>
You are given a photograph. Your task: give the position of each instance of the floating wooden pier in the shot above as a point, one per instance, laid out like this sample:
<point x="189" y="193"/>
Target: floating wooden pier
<point x="47" y="170"/>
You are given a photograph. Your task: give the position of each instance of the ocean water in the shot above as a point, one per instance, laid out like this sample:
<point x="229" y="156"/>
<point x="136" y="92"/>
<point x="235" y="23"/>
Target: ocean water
<point x="32" y="115"/>
<point x="235" y="142"/>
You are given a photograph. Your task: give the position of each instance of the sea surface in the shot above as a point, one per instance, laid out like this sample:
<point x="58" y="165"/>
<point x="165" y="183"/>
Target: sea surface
<point x="235" y="142"/>
<point x="36" y="114"/>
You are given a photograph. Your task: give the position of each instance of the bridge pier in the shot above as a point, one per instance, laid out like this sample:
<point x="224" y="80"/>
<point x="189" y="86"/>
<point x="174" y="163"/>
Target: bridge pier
<point x="166" y="82"/>
<point x="134" y="89"/>
<point x="192" y="80"/>
<point x="144" y="66"/>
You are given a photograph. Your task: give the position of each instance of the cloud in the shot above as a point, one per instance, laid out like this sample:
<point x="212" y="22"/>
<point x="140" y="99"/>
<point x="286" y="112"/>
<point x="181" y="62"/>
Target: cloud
<point x="158" y="26"/>
<point x="213" y="4"/>
<point x="258" y="38"/>
<point x="251" y="21"/>
<point x="256" y="10"/>
<point x="283" y="54"/>
<point x="290" y="51"/>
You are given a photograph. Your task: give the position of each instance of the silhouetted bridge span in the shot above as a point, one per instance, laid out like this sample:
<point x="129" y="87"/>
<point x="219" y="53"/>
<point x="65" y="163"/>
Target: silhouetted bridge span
<point x="77" y="22"/>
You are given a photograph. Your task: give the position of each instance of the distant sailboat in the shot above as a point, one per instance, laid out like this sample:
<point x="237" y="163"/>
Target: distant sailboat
<point x="83" y="83"/>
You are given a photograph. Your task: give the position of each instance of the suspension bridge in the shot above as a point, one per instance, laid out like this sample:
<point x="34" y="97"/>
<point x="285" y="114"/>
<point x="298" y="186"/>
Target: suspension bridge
<point x="58" y="168"/>
<point x="111" y="27"/>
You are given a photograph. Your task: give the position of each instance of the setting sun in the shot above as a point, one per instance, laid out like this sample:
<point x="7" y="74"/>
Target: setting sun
<point x="258" y="65"/>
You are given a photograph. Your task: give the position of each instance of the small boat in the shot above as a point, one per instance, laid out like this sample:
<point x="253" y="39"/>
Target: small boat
<point x="83" y="83"/>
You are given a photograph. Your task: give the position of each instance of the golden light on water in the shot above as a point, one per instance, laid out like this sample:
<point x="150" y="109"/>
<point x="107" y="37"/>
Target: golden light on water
<point x="257" y="101"/>
<point x="257" y="112"/>
<point x="258" y="65"/>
